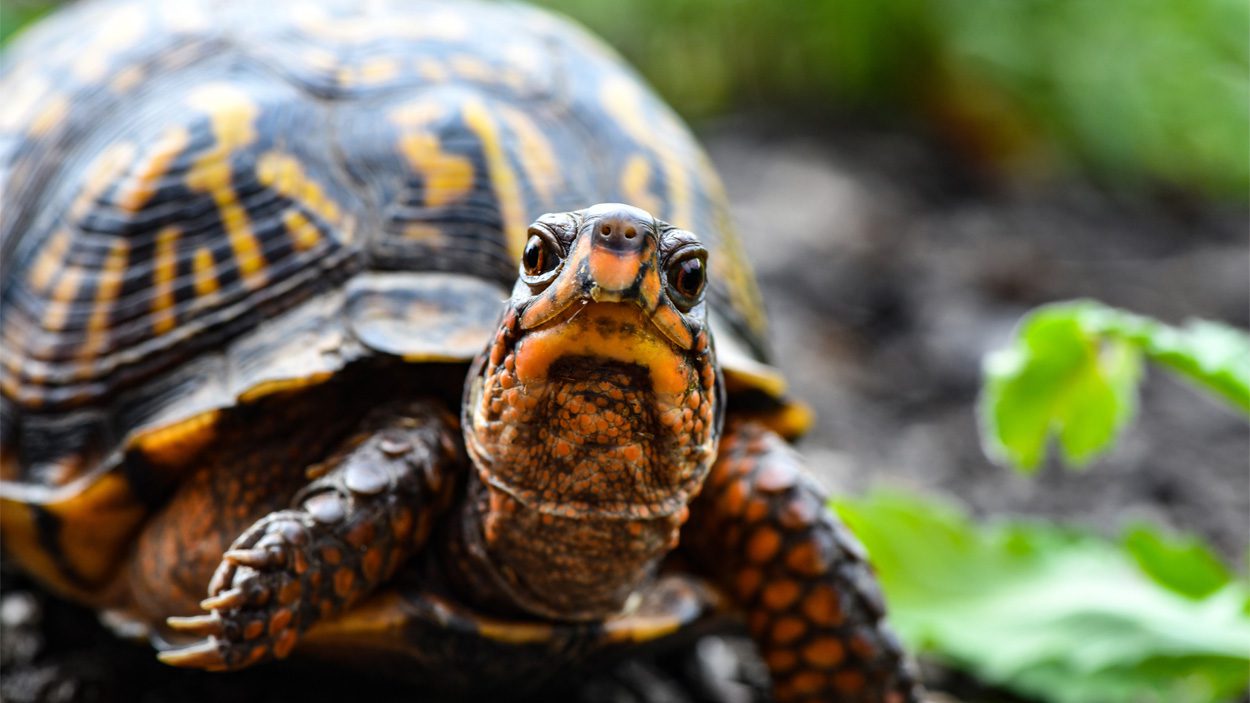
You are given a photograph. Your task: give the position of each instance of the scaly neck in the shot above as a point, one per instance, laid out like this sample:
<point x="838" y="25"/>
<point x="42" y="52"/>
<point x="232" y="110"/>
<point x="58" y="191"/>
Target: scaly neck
<point x="513" y="558"/>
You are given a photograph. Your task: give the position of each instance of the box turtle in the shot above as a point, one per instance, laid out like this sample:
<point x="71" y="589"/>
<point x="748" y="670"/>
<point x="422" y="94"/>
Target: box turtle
<point x="265" y="388"/>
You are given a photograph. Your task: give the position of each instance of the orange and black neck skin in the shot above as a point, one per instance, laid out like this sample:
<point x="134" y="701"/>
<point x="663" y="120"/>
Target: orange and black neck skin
<point x="592" y="417"/>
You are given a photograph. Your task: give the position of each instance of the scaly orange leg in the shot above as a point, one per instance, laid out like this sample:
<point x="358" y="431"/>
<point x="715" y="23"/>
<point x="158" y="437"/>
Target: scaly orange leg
<point x="366" y="510"/>
<point x="762" y="529"/>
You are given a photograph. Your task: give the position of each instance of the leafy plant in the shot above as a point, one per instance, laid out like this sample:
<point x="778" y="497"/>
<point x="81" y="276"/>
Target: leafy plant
<point x="1138" y="92"/>
<point x="1073" y="369"/>
<point x="1058" y="614"/>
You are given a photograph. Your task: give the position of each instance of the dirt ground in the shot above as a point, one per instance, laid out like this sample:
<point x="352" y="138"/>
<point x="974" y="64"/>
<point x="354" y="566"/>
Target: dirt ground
<point x="889" y="270"/>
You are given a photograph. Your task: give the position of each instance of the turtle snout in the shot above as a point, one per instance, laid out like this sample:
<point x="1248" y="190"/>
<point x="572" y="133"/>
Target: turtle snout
<point x="622" y="250"/>
<point x="620" y="228"/>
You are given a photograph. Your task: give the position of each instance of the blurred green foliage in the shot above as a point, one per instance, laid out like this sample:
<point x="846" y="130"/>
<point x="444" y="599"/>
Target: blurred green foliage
<point x="1183" y="565"/>
<point x="1139" y="92"/>
<point x="16" y="14"/>
<point x="1073" y="369"/>
<point x="1143" y="92"/>
<point x="1058" y="614"/>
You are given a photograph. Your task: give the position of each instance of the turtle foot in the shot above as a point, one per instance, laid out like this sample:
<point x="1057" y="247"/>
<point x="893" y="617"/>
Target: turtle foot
<point x="265" y="592"/>
<point x="366" y="510"/>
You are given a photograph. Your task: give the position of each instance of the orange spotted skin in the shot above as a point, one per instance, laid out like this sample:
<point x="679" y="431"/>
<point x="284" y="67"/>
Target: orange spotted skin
<point x="232" y="486"/>
<point x="763" y="530"/>
<point x="593" y="422"/>
<point x="306" y="527"/>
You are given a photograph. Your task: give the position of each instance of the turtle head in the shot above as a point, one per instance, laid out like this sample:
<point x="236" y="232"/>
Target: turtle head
<point x="598" y="401"/>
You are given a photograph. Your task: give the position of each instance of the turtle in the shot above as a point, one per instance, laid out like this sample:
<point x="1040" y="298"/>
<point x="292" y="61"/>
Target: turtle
<point x="408" y="335"/>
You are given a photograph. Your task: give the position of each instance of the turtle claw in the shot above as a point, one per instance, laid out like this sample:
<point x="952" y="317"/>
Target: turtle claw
<point x="203" y="625"/>
<point x="255" y="558"/>
<point x="205" y="654"/>
<point x="258" y="604"/>
<point x="225" y="600"/>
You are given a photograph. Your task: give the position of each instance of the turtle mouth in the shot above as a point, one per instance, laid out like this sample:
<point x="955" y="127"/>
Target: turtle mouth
<point x="564" y="307"/>
<point x="613" y="333"/>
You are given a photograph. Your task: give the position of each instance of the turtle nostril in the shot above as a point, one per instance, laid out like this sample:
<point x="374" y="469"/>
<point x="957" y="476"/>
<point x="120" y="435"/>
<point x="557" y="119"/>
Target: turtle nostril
<point x="619" y="232"/>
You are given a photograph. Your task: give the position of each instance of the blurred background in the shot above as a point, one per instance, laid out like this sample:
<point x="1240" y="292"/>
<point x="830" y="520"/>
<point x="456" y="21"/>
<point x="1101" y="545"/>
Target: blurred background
<point x="910" y="178"/>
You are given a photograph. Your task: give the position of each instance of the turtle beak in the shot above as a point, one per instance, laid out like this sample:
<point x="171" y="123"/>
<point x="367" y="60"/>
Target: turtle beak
<point x="622" y="257"/>
<point x="614" y="260"/>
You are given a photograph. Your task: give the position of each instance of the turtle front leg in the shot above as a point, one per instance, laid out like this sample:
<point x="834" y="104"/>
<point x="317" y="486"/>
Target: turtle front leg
<point x="762" y="529"/>
<point x="367" y="509"/>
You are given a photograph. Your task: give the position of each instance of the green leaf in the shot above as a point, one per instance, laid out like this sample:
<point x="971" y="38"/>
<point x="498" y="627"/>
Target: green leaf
<point x="1211" y="354"/>
<point x="1185" y="566"/>
<point x="1101" y="400"/>
<point x="1057" y="378"/>
<point x="1052" y="613"/>
<point x="1215" y="355"/>
<point x="1072" y="372"/>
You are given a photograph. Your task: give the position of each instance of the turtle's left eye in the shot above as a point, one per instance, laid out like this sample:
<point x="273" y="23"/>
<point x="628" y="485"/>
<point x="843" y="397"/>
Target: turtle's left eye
<point x="686" y="278"/>
<point x="538" y="257"/>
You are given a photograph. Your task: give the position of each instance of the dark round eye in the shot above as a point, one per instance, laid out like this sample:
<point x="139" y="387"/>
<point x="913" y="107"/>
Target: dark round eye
<point x="686" y="277"/>
<point x="538" y="257"/>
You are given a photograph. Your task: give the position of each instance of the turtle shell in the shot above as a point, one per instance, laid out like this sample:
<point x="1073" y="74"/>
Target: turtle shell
<point x="432" y="640"/>
<point x="208" y="203"/>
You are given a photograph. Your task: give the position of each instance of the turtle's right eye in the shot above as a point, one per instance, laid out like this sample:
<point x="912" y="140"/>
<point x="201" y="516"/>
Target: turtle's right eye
<point x="687" y="275"/>
<point x="539" y="256"/>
